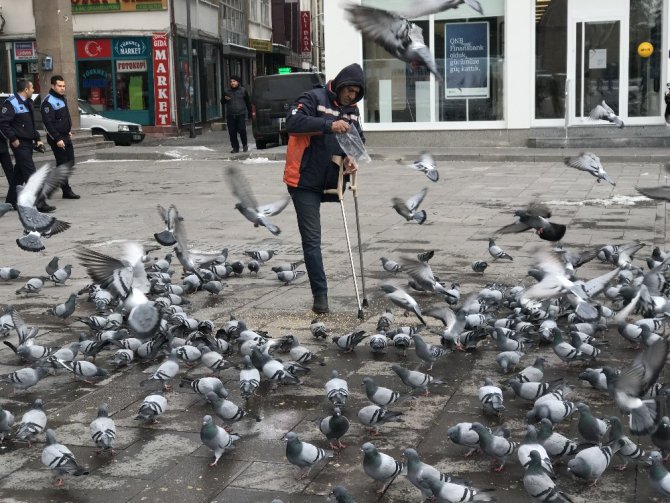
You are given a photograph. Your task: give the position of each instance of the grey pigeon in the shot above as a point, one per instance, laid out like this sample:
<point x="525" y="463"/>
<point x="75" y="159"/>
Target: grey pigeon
<point x="496" y="252"/>
<point x="536" y="216"/>
<point x="463" y="434"/>
<point x="603" y="112"/>
<point x="24" y="378"/>
<point x="380" y="395"/>
<point x="250" y="379"/>
<point x="379" y="466"/>
<point x="216" y="438"/>
<point x="556" y="444"/>
<point x="589" y="162"/>
<point x="61" y="275"/>
<point x="428" y="352"/>
<point x="530" y="443"/>
<point x="591" y="463"/>
<point x="533" y="373"/>
<point x="247" y="205"/>
<point x="348" y="342"/>
<point x="342" y="495"/>
<point x="84" y="370"/>
<point x="395" y="33"/>
<point x="103" y="430"/>
<point x="415" y="379"/>
<point x="337" y="389"/>
<point x="479" y="265"/>
<point x="539" y="483"/>
<point x="491" y="397"/>
<point x="628" y="450"/>
<point x="170" y="216"/>
<point x="496" y="447"/>
<point x="303" y="455"/>
<point x="5" y="208"/>
<point x="151" y="408"/>
<point x="60" y="460"/>
<point x="426" y="165"/>
<point x="508" y="360"/>
<point x="119" y="276"/>
<point x="65" y="309"/>
<point x="659" y="478"/>
<point x="33" y="285"/>
<point x="334" y="427"/>
<point x="288" y="276"/>
<point x="165" y="372"/>
<point x="390" y="265"/>
<point x="318" y="329"/>
<point x="32" y="423"/>
<point x="408" y="208"/>
<point x="6" y="423"/>
<point x="590" y="427"/>
<point x="374" y="416"/>
<point x="425" y="7"/>
<point x="418" y="472"/>
<point x="226" y="410"/>
<point x="7" y="273"/>
<point x="403" y="300"/>
<point x="448" y="492"/>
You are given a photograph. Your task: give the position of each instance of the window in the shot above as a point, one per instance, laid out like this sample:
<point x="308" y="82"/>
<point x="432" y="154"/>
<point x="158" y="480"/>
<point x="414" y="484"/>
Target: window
<point x="234" y="24"/>
<point x="95" y="84"/>
<point x="253" y="10"/>
<point x="265" y="12"/>
<point x="551" y="36"/>
<point x="646" y="88"/>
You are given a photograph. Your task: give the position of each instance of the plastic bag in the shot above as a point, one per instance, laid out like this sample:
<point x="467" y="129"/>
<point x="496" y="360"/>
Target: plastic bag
<point x="353" y="146"/>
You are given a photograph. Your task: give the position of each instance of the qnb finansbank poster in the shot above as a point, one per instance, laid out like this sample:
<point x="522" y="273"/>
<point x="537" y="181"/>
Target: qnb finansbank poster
<point x="466" y="68"/>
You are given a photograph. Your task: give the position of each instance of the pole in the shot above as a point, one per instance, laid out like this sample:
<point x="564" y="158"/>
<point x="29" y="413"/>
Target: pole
<point x="190" y="94"/>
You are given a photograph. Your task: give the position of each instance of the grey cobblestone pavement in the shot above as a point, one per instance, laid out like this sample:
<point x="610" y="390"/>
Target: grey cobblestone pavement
<point x="166" y="462"/>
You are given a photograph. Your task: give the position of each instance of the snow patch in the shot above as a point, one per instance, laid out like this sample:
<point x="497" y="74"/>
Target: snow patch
<point x="612" y="201"/>
<point x="258" y="160"/>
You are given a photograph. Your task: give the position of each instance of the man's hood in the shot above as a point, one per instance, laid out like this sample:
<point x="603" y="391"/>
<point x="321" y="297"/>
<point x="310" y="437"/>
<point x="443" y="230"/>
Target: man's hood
<point x="351" y="75"/>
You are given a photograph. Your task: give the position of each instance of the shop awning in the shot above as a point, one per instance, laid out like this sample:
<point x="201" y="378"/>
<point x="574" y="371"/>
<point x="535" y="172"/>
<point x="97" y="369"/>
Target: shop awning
<point x="239" y="51"/>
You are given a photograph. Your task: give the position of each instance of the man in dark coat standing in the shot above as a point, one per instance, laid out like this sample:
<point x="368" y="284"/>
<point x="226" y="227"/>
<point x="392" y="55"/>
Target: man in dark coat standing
<point x="57" y="122"/>
<point x="309" y="170"/>
<point x="238" y="107"/>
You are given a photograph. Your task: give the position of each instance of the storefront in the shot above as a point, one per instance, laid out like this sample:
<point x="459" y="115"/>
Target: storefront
<point x="114" y="76"/>
<point x="514" y="65"/>
<point x="24" y="65"/>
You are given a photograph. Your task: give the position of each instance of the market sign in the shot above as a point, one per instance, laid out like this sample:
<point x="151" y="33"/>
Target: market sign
<point x="97" y="6"/>
<point x="94" y="48"/>
<point x="159" y="44"/>
<point x="131" y="65"/>
<point x="130" y="48"/>
<point x="305" y="33"/>
<point x="466" y="65"/>
<point x="25" y="50"/>
<point x="260" y="44"/>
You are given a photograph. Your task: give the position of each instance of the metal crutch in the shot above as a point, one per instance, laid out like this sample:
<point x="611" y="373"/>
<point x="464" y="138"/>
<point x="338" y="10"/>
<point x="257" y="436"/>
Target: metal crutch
<point x="339" y="192"/>
<point x="353" y="186"/>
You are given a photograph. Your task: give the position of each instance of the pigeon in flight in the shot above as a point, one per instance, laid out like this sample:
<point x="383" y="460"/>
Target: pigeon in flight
<point x="603" y="112"/>
<point x="170" y="217"/>
<point x="395" y="33"/>
<point x="536" y="216"/>
<point x="425" y="7"/>
<point x="408" y="209"/>
<point x="589" y="162"/>
<point x="426" y="165"/>
<point x="247" y="205"/>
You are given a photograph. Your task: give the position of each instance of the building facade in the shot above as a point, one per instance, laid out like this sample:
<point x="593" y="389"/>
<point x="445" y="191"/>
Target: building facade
<point x="520" y="64"/>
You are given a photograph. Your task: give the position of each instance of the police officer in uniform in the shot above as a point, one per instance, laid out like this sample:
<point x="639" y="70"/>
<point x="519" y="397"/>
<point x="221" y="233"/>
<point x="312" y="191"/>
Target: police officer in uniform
<point x="17" y="124"/>
<point x="57" y="122"/>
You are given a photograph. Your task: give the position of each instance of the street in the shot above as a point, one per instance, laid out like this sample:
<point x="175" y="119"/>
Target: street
<point x="120" y="188"/>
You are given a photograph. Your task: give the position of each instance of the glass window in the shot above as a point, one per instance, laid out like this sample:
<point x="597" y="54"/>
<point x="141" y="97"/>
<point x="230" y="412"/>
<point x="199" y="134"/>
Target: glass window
<point x="265" y="12"/>
<point x="551" y="35"/>
<point x="95" y="83"/>
<point x="131" y="91"/>
<point x="644" y="59"/>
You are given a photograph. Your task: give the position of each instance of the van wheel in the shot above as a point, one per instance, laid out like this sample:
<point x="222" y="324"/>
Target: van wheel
<point x="260" y="144"/>
<point x="283" y="139"/>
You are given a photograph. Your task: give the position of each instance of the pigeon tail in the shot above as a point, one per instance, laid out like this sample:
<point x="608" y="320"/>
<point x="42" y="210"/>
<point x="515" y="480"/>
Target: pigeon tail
<point x="30" y="242"/>
<point x="165" y="238"/>
<point x="420" y="216"/>
<point x="644" y="419"/>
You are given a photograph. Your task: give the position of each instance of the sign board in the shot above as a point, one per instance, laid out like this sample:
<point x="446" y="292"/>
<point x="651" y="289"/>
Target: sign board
<point x="305" y="32"/>
<point x="94" y="48"/>
<point x="466" y="66"/>
<point x="159" y="43"/>
<point x="130" y="48"/>
<point x="25" y="50"/>
<point x="98" y="6"/>
<point x="283" y="70"/>
<point x="260" y="44"/>
<point x="131" y="65"/>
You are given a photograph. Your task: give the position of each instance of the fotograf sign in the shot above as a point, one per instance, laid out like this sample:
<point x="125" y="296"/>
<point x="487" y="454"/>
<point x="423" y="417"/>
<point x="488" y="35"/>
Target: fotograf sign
<point x="130" y="48"/>
<point x="466" y="66"/>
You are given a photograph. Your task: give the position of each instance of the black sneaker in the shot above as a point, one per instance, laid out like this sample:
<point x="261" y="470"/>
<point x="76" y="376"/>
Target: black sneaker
<point x="234" y="151"/>
<point x="320" y="304"/>
<point x="46" y="208"/>
<point x="245" y="148"/>
<point x="69" y="194"/>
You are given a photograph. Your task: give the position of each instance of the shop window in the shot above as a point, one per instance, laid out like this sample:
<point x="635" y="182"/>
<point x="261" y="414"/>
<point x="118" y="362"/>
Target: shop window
<point x="551" y="35"/>
<point x="95" y="83"/>
<point x="131" y="91"/>
<point x="646" y="88"/>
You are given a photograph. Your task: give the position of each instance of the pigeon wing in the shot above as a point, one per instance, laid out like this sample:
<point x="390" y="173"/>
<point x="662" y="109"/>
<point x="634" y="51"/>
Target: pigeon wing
<point x="274" y="208"/>
<point x="515" y="227"/>
<point x="415" y="201"/>
<point x="56" y="177"/>
<point x="28" y="195"/>
<point x="387" y="29"/>
<point x="111" y="273"/>
<point x="241" y="188"/>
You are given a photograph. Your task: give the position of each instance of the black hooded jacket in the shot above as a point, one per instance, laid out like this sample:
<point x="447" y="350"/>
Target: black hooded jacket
<point x="311" y="140"/>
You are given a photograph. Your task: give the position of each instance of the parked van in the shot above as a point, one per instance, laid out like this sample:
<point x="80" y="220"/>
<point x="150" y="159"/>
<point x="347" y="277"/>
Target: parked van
<point x="270" y="100"/>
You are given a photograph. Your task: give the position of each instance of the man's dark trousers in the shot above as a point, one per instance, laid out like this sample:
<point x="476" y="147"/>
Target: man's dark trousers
<point x="237" y="125"/>
<point x="62" y="155"/>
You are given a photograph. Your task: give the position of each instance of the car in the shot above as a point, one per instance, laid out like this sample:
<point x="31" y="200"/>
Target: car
<point x="271" y="98"/>
<point x="120" y="132"/>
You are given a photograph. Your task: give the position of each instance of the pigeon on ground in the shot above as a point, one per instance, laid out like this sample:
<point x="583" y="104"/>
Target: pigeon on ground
<point x="24" y="378"/>
<point x="426" y="165"/>
<point x="408" y="209"/>
<point x="6" y="423"/>
<point x="591" y="463"/>
<point x="151" y="409"/>
<point x="379" y="466"/>
<point x="395" y="33"/>
<point x="334" y="428"/>
<point x="496" y="447"/>
<point x="216" y="438"/>
<point x="418" y="472"/>
<point x="342" y="495"/>
<point x="390" y="265"/>
<point x="448" y="492"/>
<point x="539" y="483"/>
<point x="103" y="430"/>
<point x="303" y="454"/>
<point x="288" y="267"/>
<point x="64" y="310"/>
<point x="531" y="443"/>
<point x="170" y="216"/>
<point x="250" y="379"/>
<point x="60" y="460"/>
<point x="165" y="372"/>
<point x="428" y="353"/>
<point x="84" y="370"/>
<point x="556" y="444"/>
<point x="491" y="397"/>
<point x="32" y="423"/>
<point x="479" y="265"/>
<point x="247" y="205"/>
<point x="589" y="162"/>
<point x="591" y="428"/>
<point x="414" y="379"/>
<point x="318" y="329"/>
<point x="226" y="410"/>
<point x="603" y="112"/>
<point x="535" y="216"/>
<point x="422" y="276"/>
<point x="33" y="285"/>
<point x="7" y="273"/>
<point x="508" y="360"/>
<point x="404" y="300"/>
<point x="374" y="416"/>
<point x="5" y="208"/>
<point x="337" y="389"/>
<point x="629" y="450"/>
<point x="348" y="342"/>
<point x="659" y="478"/>
<point x="287" y="277"/>
<point x="380" y="395"/>
<point x="496" y="252"/>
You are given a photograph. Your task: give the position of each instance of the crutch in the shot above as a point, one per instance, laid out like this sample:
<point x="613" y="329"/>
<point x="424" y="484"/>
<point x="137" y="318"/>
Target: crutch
<point x="339" y="192"/>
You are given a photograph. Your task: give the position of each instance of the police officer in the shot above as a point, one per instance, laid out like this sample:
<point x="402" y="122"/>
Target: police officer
<point x="17" y="124"/>
<point x="57" y="122"/>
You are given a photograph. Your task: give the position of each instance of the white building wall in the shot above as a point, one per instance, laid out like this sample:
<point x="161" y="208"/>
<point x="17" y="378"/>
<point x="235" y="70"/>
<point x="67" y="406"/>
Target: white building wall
<point x="20" y="22"/>
<point x="128" y="23"/>
<point x="519" y="63"/>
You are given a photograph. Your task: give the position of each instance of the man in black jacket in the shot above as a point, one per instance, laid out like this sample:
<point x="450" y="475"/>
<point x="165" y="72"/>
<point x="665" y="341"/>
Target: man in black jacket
<point x="17" y="124"/>
<point x="309" y="169"/>
<point x="57" y="122"/>
<point x="238" y="107"/>
<point x="8" y="168"/>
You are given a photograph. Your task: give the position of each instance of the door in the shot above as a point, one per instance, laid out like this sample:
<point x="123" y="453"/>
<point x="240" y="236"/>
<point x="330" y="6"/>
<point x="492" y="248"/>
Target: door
<point x="597" y="58"/>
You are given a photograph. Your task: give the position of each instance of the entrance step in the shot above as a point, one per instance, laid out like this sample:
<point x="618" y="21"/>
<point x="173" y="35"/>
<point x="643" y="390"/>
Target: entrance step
<point x="599" y="136"/>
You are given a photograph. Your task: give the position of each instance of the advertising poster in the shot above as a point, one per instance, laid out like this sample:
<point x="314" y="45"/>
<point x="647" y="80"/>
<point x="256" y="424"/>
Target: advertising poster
<point x="466" y="66"/>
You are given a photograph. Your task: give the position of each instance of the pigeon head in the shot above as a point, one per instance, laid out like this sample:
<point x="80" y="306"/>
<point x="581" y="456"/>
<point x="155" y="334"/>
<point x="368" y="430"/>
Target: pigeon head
<point x="655" y="457"/>
<point x="51" y="437"/>
<point x="339" y="492"/>
<point x="368" y="448"/>
<point x="206" y="420"/>
<point x="410" y="454"/>
<point x="103" y="410"/>
<point x="291" y="437"/>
